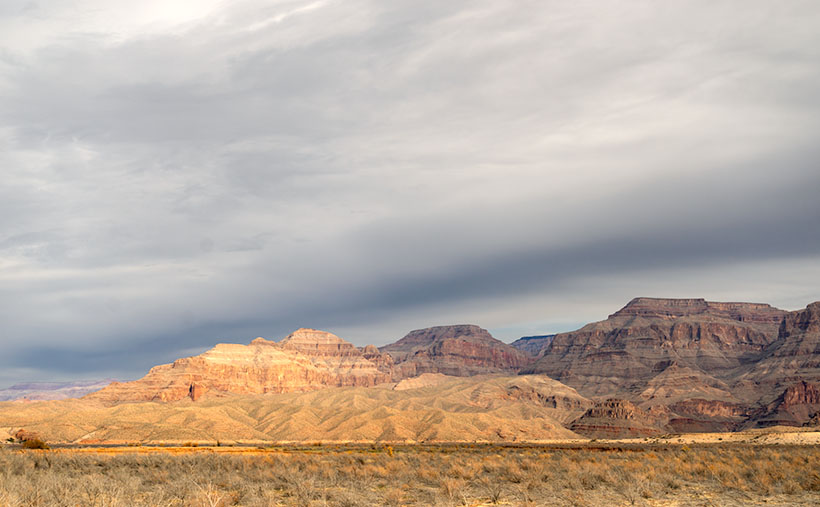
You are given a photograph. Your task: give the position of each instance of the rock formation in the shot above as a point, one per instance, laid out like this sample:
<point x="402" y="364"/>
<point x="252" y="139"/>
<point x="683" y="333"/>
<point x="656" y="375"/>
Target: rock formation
<point x="458" y="409"/>
<point x="794" y="407"/>
<point x="533" y="345"/>
<point x="655" y="366"/>
<point x="546" y="392"/>
<point x="697" y="415"/>
<point x="793" y="357"/>
<point x="675" y="308"/>
<point x="699" y="365"/>
<point x="615" y="418"/>
<point x="306" y="360"/>
<point x="623" y="353"/>
<point x="461" y="350"/>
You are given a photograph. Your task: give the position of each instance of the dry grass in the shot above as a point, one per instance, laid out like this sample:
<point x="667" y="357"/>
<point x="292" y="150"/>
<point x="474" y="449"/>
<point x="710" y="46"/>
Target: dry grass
<point x="415" y="475"/>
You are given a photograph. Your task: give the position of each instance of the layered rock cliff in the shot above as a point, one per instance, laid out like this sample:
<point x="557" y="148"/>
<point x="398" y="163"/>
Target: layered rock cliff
<point x="306" y="360"/>
<point x="622" y="354"/>
<point x="793" y="357"/>
<point x="615" y="418"/>
<point x="794" y="407"/>
<point x="760" y="313"/>
<point x="655" y="366"/>
<point x="461" y="350"/>
<point x="694" y="363"/>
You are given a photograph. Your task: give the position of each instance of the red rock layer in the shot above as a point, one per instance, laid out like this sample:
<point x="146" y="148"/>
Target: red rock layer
<point x="699" y="365"/>
<point x="794" y="407"/>
<point x="615" y="418"/>
<point x="698" y="415"/>
<point x="461" y="350"/>
<point x="794" y="357"/>
<point x="673" y="308"/>
<point x="621" y="354"/>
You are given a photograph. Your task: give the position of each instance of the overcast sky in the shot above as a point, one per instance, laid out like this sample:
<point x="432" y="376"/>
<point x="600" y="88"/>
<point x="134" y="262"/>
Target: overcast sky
<point x="178" y="173"/>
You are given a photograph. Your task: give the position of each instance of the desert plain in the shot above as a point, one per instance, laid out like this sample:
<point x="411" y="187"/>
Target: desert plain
<point x="775" y="467"/>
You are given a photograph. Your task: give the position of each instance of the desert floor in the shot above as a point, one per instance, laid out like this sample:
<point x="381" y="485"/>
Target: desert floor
<point x="675" y="470"/>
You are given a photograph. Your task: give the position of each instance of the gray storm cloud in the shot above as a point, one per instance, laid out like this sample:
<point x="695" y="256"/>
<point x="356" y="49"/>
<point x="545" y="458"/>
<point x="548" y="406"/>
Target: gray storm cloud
<point x="181" y="173"/>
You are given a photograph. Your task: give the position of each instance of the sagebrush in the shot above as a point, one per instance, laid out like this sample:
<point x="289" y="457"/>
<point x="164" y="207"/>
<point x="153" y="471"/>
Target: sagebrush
<point x="414" y="475"/>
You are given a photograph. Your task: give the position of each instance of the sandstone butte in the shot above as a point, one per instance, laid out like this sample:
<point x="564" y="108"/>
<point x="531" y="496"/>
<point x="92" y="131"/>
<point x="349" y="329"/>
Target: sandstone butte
<point x="461" y="350"/>
<point x="305" y="360"/>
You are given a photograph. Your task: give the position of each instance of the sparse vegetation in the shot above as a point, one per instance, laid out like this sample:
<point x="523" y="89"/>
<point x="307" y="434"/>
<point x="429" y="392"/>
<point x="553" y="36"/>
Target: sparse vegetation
<point x="34" y="443"/>
<point x="443" y="475"/>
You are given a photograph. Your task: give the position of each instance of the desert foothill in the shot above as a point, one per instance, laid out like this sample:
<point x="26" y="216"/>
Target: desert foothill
<point x="409" y="253"/>
<point x="665" y="401"/>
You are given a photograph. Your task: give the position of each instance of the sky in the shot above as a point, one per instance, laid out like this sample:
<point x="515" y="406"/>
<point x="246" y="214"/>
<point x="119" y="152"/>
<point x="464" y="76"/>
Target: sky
<point x="174" y="174"/>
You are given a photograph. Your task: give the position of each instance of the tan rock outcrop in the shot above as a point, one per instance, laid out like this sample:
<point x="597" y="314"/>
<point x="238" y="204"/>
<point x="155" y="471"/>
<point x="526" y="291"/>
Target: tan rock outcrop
<point x="384" y="362"/>
<point x="457" y="410"/>
<point x="423" y="380"/>
<point x="306" y="360"/>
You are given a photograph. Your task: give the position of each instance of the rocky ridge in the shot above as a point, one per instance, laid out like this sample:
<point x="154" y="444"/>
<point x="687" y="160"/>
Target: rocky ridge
<point x="655" y="366"/>
<point x="461" y="350"/>
<point x="305" y="360"/>
<point x="533" y="345"/>
<point x="622" y="354"/>
<point x="698" y="365"/>
<point x="793" y="357"/>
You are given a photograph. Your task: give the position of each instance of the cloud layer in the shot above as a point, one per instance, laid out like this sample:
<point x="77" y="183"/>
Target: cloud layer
<point x="181" y="173"/>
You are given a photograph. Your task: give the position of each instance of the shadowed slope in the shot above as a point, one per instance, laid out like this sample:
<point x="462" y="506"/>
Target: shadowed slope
<point x="461" y="350"/>
<point x="533" y="345"/>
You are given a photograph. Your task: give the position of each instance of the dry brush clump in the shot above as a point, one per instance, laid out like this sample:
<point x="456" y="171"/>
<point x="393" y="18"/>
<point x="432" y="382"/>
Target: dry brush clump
<point x="413" y="475"/>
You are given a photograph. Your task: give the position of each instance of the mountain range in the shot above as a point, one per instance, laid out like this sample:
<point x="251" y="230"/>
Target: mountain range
<point x="655" y="366"/>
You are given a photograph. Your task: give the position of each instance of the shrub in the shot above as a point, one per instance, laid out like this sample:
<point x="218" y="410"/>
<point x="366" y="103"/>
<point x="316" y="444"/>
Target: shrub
<point x="35" y="443"/>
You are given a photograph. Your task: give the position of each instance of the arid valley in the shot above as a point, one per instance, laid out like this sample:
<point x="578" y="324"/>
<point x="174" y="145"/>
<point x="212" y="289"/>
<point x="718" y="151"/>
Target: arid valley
<point x="461" y="253"/>
<point x="666" y="401"/>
